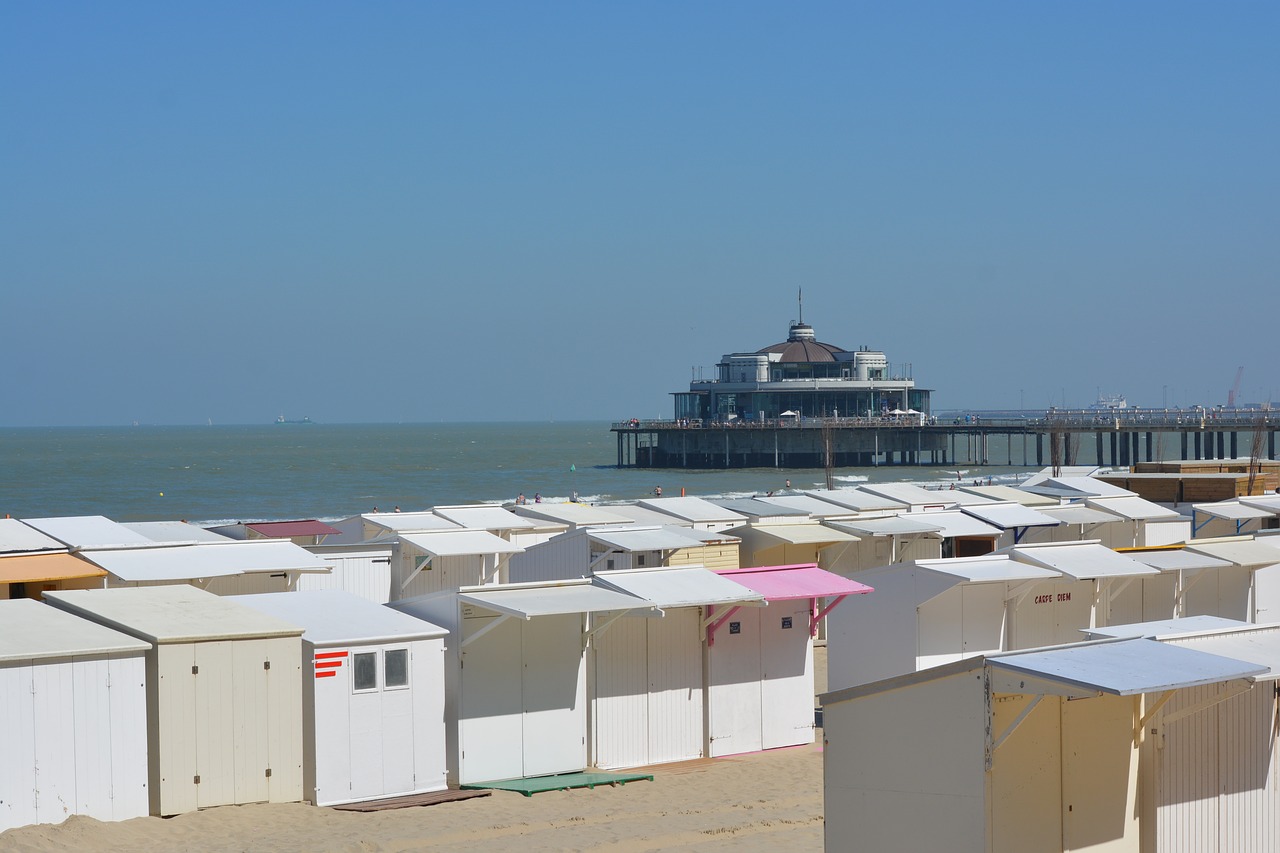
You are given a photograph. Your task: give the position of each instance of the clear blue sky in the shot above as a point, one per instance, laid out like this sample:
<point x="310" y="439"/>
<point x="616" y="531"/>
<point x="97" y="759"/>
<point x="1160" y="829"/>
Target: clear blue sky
<point x="534" y="211"/>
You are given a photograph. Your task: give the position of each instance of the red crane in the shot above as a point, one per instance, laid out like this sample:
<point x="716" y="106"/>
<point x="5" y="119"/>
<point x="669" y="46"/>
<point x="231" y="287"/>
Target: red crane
<point x="1235" y="389"/>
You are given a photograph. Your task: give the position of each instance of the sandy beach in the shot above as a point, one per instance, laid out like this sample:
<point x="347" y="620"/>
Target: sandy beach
<point x="770" y="800"/>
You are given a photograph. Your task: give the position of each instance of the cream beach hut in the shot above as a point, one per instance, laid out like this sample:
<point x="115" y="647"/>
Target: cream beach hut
<point x="433" y="561"/>
<point x="74" y="714"/>
<point x="648" y="691"/>
<point x="588" y="550"/>
<point x="515" y="673"/>
<point x="760" y="660"/>
<point x="32" y="563"/>
<point x="224" y="694"/>
<point x="223" y="568"/>
<point x="372" y="696"/>
<point x="1034" y="750"/>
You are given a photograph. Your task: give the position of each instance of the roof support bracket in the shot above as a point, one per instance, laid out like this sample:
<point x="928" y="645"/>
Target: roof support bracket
<point x="1017" y="721"/>
<point x="591" y="569"/>
<point x="592" y="633"/>
<point x="419" y="565"/>
<point x="1184" y="586"/>
<point x="486" y="629"/>
<point x="711" y="624"/>
<point x="1231" y="690"/>
<point x="816" y="616"/>
<point x="1146" y="718"/>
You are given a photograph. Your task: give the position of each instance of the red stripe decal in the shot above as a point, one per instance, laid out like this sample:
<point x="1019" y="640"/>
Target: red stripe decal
<point x="331" y="654"/>
<point x="328" y="664"/>
<point x="325" y="673"/>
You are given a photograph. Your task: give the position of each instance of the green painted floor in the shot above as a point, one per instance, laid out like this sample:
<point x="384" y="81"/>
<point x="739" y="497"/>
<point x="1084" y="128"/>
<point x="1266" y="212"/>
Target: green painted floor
<point x="561" y="782"/>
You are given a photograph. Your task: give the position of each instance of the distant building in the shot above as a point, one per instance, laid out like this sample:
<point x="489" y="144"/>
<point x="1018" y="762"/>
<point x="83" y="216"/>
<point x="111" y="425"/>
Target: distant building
<point x="802" y="378"/>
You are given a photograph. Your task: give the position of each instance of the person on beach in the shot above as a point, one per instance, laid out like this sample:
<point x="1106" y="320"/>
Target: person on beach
<point x="657" y="491"/>
<point x="537" y="497"/>
<point x="520" y="501"/>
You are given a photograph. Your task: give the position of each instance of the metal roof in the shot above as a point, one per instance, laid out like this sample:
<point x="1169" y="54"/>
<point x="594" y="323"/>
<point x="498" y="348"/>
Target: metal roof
<point x="814" y="506"/>
<point x="331" y="616"/>
<point x="1175" y="560"/>
<point x="16" y="537"/>
<point x="897" y="525"/>
<point x="1077" y="514"/>
<point x="1232" y="510"/>
<point x="856" y="499"/>
<point x="695" y="510"/>
<point x="530" y="600"/>
<point x="963" y="497"/>
<point x="637" y="514"/>
<point x="410" y="522"/>
<point x="285" y="529"/>
<point x="30" y="630"/>
<point x="785" y="583"/>
<point x="1091" y="486"/>
<point x="911" y="494"/>
<point x="987" y="568"/>
<point x="1081" y="560"/>
<point x="797" y="534"/>
<point x="176" y="613"/>
<point x="956" y="523"/>
<point x="1239" y="552"/>
<point x="1131" y="507"/>
<point x="689" y="586"/>
<point x="1008" y="516"/>
<point x="174" y="532"/>
<point x="460" y="543"/>
<point x="89" y="531"/>
<point x="1120" y="667"/>
<point x="760" y="507"/>
<point x="664" y="538"/>
<point x="1257" y="644"/>
<point x="36" y="568"/>
<point x="206" y="560"/>
<point x="571" y="513"/>
<point x="1271" y="502"/>
<point x="1010" y="494"/>
<point x="485" y="518"/>
<point x="1166" y="627"/>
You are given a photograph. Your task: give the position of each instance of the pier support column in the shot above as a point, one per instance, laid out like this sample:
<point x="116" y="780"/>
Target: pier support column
<point x="1115" y="455"/>
<point x="1183" y="436"/>
<point x="1150" y="443"/>
<point x="1040" y="449"/>
<point x="1135" y="457"/>
<point x="1197" y="443"/>
<point x="1235" y="453"/>
<point x="1222" y="445"/>
<point x="1097" y="436"/>
<point x="1271" y="444"/>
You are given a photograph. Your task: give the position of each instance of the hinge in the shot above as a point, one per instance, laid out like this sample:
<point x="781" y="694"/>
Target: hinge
<point x="268" y="772"/>
<point x="266" y="664"/>
<point x="196" y="779"/>
<point x="195" y="670"/>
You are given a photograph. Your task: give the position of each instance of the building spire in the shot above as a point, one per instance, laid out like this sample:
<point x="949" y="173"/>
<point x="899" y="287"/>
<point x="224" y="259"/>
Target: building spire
<point x="800" y="299"/>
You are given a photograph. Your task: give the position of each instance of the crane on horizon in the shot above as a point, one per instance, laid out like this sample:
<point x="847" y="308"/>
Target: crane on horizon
<point x="1235" y="389"/>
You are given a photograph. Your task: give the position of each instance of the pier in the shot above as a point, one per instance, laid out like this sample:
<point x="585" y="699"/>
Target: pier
<point x="1120" y="438"/>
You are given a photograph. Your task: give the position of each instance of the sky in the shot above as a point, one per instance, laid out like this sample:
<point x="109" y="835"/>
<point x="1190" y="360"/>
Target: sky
<point x="559" y="211"/>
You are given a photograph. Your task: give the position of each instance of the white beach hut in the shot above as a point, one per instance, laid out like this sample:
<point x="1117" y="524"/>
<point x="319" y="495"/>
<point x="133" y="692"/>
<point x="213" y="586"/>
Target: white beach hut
<point x="224" y="694"/>
<point x="360" y="568"/>
<point x="372" y="696"/>
<point x="883" y="541"/>
<point x="926" y="613"/>
<point x="696" y="512"/>
<point x="778" y="544"/>
<point x="581" y="552"/>
<point x="760" y="660"/>
<point x="74" y="715"/>
<point x="32" y="563"/>
<point x="648" y="703"/>
<point x="515" y="673"/>
<point x="1034" y="750"/>
<point x="424" y="563"/>
<point x="223" y="568"/>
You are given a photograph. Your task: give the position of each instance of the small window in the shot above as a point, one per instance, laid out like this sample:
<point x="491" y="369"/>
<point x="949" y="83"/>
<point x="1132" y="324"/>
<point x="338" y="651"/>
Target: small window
<point x="365" y="670"/>
<point x="639" y="559"/>
<point x="395" y="668"/>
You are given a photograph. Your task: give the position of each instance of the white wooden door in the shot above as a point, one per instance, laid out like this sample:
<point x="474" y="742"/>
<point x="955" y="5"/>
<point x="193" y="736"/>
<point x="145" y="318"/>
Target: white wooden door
<point x="676" y="686"/>
<point x="127" y="701"/>
<point x="490" y="710"/>
<point x="177" y="724"/>
<point x="214" y="725"/>
<point x="786" y="675"/>
<point x="397" y="746"/>
<point x="91" y="718"/>
<point x="17" y="747"/>
<point x="555" y="715"/>
<point x="734" y="712"/>
<point x="249" y="716"/>
<point x="366" y="724"/>
<point x="620" y="718"/>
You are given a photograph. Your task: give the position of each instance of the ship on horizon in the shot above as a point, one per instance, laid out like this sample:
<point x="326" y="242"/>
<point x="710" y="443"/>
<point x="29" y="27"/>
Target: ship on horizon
<point x="281" y="419"/>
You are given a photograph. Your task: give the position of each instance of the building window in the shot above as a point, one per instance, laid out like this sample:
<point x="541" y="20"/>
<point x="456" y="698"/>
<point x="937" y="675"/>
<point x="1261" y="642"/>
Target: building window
<point x="395" y="668"/>
<point x="364" y="667"/>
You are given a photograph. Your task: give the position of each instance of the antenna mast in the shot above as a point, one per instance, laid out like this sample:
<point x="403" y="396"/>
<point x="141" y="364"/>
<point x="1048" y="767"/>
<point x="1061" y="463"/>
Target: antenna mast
<point x="800" y="299"/>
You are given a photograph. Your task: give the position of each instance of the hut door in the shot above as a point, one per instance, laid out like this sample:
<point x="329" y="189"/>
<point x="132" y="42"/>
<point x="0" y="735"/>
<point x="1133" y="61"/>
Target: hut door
<point x="250" y="720"/>
<point x="675" y="685"/>
<point x="214" y="724"/>
<point x="366" y="724"/>
<point x="555" y="717"/>
<point x="786" y="687"/>
<point x="734" y="696"/>
<point x="621" y="714"/>
<point x="490" y="738"/>
<point x="1099" y="774"/>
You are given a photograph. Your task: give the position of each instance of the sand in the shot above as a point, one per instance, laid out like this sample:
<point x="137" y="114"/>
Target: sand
<point x="763" y="801"/>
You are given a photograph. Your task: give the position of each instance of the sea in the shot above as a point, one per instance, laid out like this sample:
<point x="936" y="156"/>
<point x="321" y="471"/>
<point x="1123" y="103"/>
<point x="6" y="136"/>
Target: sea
<point x="216" y="474"/>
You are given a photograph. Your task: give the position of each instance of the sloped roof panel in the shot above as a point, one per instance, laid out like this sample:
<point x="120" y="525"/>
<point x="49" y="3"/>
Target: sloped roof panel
<point x="800" y="534"/>
<point x="644" y="538"/>
<point x="206" y="560"/>
<point x="695" y="510"/>
<point x="484" y="518"/>
<point x="898" y="525"/>
<point x="1259" y="645"/>
<point x="1081" y="560"/>
<point x="911" y="494"/>
<point x="1165" y="627"/>
<point x="30" y="630"/>
<point x="1177" y="560"/>
<point x="174" y="532"/>
<point x="956" y="523"/>
<point x="528" y="601"/>
<point x="679" y="587"/>
<point x="1232" y="510"/>
<point x="37" y="568"/>
<point x="857" y="499"/>
<point x="460" y="543"/>
<point x="785" y="583"/>
<point x="1009" y="516"/>
<point x="89" y="531"/>
<point x="1131" y="507"/>
<point x="814" y="506"/>
<point x="16" y="537"/>
<point x="329" y="616"/>
<point x="1077" y="514"/>
<point x="989" y="568"/>
<point x="1242" y="552"/>
<point x="285" y="529"/>
<point x="410" y="522"/>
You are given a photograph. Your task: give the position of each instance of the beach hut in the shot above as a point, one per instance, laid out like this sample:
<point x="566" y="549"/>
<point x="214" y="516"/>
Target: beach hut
<point x="224" y="694"/>
<point x="1014" y="519"/>
<point x="859" y="501"/>
<point x="304" y="532"/>
<point x="521" y="531"/>
<point x="962" y="534"/>
<point x="1077" y="523"/>
<point x="777" y="544"/>
<point x="760" y="660"/>
<point x="360" y="568"/>
<point x="1148" y="524"/>
<point x="571" y="515"/>
<point x="32" y="563"/>
<point x="372" y="696"/>
<point x="582" y="552"/>
<point x="383" y="525"/>
<point x="515" y="673"/>
<point x="87" y="532"/>
<point x="74" y="715"/>
<point x="423" y="563"/>
<point x="1227" y="518"/>
<point x="174" y="532"/>
<point x="695" y="512"/>
<point x="649" y="682"/>
<point x="926" y="613"/>
<point x="1250" y="588"/>
<point x="883" y="541"/>
<point x="918" y="498"/>
<point x="1034" y="750"/>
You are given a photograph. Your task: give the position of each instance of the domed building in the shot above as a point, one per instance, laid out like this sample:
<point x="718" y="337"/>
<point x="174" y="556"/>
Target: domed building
<point x="802" y="377"/>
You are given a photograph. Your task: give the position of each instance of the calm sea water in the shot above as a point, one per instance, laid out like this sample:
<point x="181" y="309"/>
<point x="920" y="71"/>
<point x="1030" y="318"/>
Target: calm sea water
<point x="211" y="474"/>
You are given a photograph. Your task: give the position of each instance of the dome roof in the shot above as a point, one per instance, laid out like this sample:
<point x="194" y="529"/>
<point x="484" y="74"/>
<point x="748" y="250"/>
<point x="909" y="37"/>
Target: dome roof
<point x="800" y="346"/>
